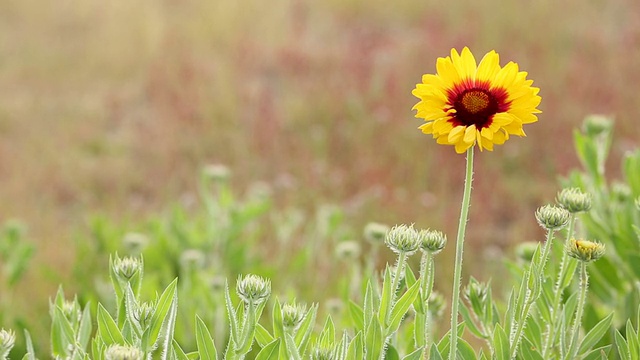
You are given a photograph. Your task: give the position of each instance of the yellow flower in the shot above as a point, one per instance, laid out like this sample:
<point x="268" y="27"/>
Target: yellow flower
<point x="466" y="104"/>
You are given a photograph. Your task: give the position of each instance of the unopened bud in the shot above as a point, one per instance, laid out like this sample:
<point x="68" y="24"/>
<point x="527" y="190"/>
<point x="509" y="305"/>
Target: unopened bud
<point x="574" y="200"/>
<point x="552" y="217"/>
<point x="403" y="239"/>
<point x="348" y="250"/>
<point x="432" y="241"/>
<point x="192" y="259"/>
<point x="119" y="352"/>
<point x="595" y="125"/>
<point x="585" y="250"/>
<point x="7" y="340"/>
<point x="292" y="315"/>
<point x="620" y="192"/>
<point x="253" y="289"/>
<point x="127" y="267"/>
<point x="375" y="232"/>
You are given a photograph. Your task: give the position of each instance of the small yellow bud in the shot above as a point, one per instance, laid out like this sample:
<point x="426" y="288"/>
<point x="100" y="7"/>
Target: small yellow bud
<point x="585" y="250"/>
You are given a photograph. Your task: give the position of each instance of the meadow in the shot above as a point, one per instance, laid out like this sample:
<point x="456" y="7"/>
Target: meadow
<point x="114" y="117"/>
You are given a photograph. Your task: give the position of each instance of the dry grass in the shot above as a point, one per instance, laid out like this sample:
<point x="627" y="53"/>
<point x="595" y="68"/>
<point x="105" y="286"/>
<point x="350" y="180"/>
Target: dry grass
<point x="114" y="106"/>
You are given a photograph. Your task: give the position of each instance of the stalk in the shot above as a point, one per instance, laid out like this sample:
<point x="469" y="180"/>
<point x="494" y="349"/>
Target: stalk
<point x="457" y="273"/>
<point x="584" y="282"/>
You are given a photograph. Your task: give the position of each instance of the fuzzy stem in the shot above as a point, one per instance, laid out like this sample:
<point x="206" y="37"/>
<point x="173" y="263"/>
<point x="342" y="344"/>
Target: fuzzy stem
<point x="577" y="323"/>
<point x="426" y="286"/>
<point x="457" y="273"/>
<point x="557" y="291"/>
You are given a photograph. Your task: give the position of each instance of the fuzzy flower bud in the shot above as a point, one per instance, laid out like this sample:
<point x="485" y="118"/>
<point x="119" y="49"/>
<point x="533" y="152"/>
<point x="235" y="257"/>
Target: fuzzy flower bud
<point x="143" y="314"/>
<point x="7" y="340"/>
<point x="375" y="232"/>
<point x="574" y="200"/>
<point x="322" y="353"/>
<point x="620" y="192"/>
<point x="119" y="352"/>
<point x="403" y="239"/>
<point x="552" y="217"/>
<point x="253" y="289"/>
<point x="585" y="250"/>
<point x="595" y="125"/>
<point x="348" y="250"/>
<point x="292" y="315"/>
<point x="217" y="172"/>
<point x="127" y="267"/>
<point x="432" y="241"/>
<point x="135" y="242"/>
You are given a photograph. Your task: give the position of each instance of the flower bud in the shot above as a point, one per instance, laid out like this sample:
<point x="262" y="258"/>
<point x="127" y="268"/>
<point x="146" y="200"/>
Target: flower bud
<point x="127" y="267"/>
<point x="437" y="304"/>
<point x="552" y="217"/>
<point x="217" y="172"/>
<point x="253" y="289"/>
<point x="135" y="242"/>
<point x="585" y="250"/>
<point x="119" y="352"/>
<point x="292" y="315"/>
<point x="620" y="192"/>
<point x="192" y="259"/>
<point x="595" y="125"/>
<point x="348" y="250"/>
<point x="432" y="241"/>
<point x="143" y="314"/>
<point x="403" y="239"/>
<point x="322" y="353"/>
<point x="217" y="283"/>
<point x="574" y="200"/>
<point x="7" y="340"/>
<point x="375" y="232"/>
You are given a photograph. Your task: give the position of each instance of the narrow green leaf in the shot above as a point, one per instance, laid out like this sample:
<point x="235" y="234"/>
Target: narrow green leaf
<point x="469" y="320"/>
<point x="500" y="343"/>
<point x="233" y="317"/>
<point x="434" y="354"/>
<point x="278" y="328"/>
<point x="84" y="330"/>
<point x="355" y="351"/>
<point x="263" y="337"/>
<point x="373" y="340"/>
<point x="601" y="353"/>
<point x="386" y="300"/>
<point x="416" y="355"/>
<point x="357" y="315"/>
<point x="108" y="329"/>
<point x="529" y="351"/>
<point x="178" y="352"/>
<point x="328" y="334"/>
<point x="31" y="354"/>
<point x="595" y="334"/>
<point x="270" y="352"/>
<point x="303" y="335"/>
<point x="465" y="350"/>
<point x="623" y="347"/>
<point x="391" y="353"/>
<point x="204" y="342"/>
<point x="632" y="340"/>
<point x="163" y="306"/>
<point x="401" y="307"/>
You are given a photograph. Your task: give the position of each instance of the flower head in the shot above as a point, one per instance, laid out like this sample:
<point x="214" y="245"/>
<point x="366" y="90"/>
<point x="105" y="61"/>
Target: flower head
<point x="432" y="241"/>
<point x="292" y="315"/>
<point x="253" y="288"/>
<point x="403" y="239"/>
<point x="467" y="103"/>
<point x="552" y="217"/>
<point x="585" y="250"/>
<point x="375" y="232"/>
<point x="7" y="340"/>
<point x="574" y="200"/>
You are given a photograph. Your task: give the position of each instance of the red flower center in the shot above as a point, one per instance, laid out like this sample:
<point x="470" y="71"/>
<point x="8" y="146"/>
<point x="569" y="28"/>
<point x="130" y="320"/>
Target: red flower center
<point x="475" y="104"/>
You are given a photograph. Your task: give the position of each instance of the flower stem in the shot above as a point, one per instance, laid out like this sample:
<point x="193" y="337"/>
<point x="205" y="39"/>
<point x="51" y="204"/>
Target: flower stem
<point x="457" y="273"/>
<point x="577" y="323"/>
<point x="557" y="291"/>
<point x="426" y="287"/>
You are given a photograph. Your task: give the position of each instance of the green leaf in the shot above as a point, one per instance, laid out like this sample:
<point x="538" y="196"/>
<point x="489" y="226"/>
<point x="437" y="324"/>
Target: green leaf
<point x="595" y="334"/>
<point x="233" y="317"/>
<point x="84" y="330"/>
<point x="163" y="306"/>
<point x="623" y="347"/>
<point x="373" y="340"/>
<point x="500" y="343"/>
<point x="355" y="351"/>
<point x="357" y="315"/>
<point x="328" y="334"/>
<point x="434" y="354"/>
<point x="529" y="351"/>
<point x="62" y="334"/>
<point x="386" y="300"/>
<point x="416" y="355"/>
<point x="391" y="353"/>
<point x="204" y="342"/>
<point x="178" y="352"/>
<point x="109" y="332"/>
<point x="465" y="350"/>
<point x="263" y="337"/>
<point x="401" y="307"/>
<point x="31" y="354"/>
<point x="601" y="353"/>
<point x="270" y="352"/>
<point x="305" y="329"/>
<point x="468" y="319"/>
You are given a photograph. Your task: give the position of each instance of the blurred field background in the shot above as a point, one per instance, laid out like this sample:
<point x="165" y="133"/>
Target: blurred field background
<point x="114" y="108"/>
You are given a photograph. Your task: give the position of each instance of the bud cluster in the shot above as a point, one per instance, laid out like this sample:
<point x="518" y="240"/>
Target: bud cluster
<point x="253" y="289"/>
<point x="403" y="239"/>
<point x="574" y="200"/>
<point x="585" y="250"/>
<point x="375" y="232"/>
<point x="552" y="217"/>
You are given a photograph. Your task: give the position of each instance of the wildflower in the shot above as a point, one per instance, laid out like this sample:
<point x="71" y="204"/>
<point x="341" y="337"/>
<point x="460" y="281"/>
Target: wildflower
<point x="348" y="250"/>
<point x="432" y="241"/>
<point x="292" y="315"/>
<point x="7" y="340"/>
<point x="552" y="217"/>
<point x="466" y="104"/>
<point x="119" y="352"/>
<point x="574" y="200"/>
<point x="585" y="250"/>
<point x="375" y="232"/>
<point x="253" y="289"/>
<point x="127" y="267"/>
<point x="403" y="239"/>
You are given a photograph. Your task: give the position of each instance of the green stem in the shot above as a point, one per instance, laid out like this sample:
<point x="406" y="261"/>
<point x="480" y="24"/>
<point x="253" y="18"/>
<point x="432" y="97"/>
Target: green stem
<point x="457" y="273"/>
<point x="584" y="284"/>
<point x="557" y="291"/>
<point x="426" y="286"/>
<point x="402" y="258"/>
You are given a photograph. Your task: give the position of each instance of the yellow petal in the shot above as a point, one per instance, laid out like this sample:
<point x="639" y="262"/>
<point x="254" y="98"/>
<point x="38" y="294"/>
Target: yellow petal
<point x="427" y="128"/>
<point x="461" y="147"/>
<point x="488" y="67"/>
<point x="456" y="134"/>
<point x="464" y="63"/>
<point x="470" y="134"/>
